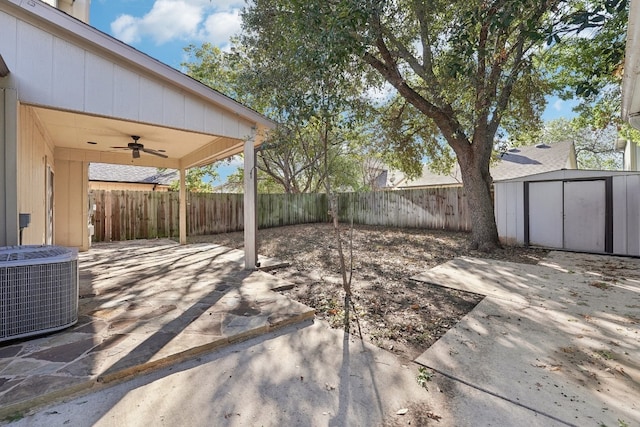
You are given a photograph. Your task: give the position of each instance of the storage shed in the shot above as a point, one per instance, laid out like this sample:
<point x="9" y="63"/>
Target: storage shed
<point x="581" y="210"/>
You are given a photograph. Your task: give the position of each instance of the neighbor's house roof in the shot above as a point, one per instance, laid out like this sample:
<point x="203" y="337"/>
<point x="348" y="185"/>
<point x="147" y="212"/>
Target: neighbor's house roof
<point x="131" y="174"/>
<point x="514" y="163"/>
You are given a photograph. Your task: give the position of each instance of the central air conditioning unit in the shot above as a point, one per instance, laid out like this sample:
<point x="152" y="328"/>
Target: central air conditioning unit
<point x="38" y="290"/>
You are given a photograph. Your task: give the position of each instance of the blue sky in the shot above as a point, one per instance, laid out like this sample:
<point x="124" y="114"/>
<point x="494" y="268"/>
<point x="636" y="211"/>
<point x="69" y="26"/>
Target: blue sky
<point x="162" y="28"/>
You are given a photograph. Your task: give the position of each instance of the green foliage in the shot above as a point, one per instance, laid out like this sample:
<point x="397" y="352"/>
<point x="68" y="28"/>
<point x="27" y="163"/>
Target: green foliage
<point x="290" y="156"/>
<point x="464" y="72"/>
<point x="198" y="180"/>
<point x="424" y="376"/>
<point x="587" y="65"/>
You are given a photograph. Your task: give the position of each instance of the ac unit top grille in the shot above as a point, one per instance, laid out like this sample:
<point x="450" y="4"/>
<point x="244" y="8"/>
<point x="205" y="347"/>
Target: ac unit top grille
<point x="42" y="254"/>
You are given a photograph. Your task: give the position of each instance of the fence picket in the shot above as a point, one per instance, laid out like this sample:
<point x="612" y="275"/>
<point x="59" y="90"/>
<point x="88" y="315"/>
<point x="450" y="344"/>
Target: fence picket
<point x="122" y="215"/>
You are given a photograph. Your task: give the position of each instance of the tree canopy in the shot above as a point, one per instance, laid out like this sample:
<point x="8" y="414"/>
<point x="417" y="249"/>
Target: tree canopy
<point x="466" y="69"/>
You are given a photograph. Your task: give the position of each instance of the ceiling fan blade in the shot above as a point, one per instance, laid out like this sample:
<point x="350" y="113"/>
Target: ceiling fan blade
<point x="154" y="152"/>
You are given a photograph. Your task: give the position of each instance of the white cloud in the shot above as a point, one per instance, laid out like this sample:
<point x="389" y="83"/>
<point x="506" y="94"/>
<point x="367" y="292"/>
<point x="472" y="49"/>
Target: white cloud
<point x="558" y="105"/>
<point x="125" y="29"/>
<point x="184" y="20"/>
<point x="219" y="27"/>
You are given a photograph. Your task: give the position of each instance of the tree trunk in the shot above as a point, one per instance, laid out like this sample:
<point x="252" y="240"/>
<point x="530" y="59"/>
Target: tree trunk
<point x="477" y="184"/>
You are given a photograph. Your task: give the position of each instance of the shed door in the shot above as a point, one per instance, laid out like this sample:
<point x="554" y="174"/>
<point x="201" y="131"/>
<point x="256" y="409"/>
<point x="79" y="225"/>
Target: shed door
<point x="545" y="214"/>
<point x="584" y="215"/>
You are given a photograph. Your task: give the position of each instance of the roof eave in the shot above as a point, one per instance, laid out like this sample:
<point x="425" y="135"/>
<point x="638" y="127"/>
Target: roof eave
<point x="103" y="42"/>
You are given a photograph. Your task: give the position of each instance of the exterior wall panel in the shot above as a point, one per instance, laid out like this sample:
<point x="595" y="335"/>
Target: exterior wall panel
<point x="71" y="204"/>
<point x="126" y="93"/>
<point x="150" y="102"/>
<point x="8" y="41"/>
<point x="34" y="149"/>
<point x="34" y="63"/>
<point x="633" y="215"/>
<point x="173" y="108"/>
<point x="620" y="209"/>
<point x="99" y="87"/>
<point x="194" y="114"/>
<point x="213" y="119"/>
<point x="68" y="75"/>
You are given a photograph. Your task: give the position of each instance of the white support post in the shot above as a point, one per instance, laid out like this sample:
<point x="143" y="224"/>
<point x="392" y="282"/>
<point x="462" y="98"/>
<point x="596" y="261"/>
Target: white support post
<point x="250" y="212"/>
<point x="183" y="207"/>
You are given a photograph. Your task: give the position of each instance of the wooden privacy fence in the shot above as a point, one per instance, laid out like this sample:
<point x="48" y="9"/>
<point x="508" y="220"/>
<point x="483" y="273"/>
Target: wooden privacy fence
<point x="434" y="208"/>
<point x="127" y="215"/>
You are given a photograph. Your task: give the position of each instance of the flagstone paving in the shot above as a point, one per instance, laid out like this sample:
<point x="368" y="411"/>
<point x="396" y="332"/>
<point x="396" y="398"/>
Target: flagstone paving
<point x="143" y="305"/>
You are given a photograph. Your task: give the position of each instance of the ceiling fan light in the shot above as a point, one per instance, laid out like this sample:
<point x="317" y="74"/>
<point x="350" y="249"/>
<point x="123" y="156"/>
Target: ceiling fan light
<point x="136" y="154"/>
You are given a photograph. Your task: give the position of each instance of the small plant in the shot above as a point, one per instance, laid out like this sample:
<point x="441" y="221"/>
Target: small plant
<point x="622" y="423"/>
<point x="16" y="416"/>
<point x="605" y="354"/>
<point x="424" y="376"/>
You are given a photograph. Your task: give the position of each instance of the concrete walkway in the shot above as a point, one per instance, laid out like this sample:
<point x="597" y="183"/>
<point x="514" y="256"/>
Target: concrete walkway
<point x="560" y="339"/>
<point x="144" y="305"/>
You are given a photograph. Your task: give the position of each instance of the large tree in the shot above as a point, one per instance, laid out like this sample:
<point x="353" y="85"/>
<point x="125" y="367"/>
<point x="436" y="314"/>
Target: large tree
<point x="458" y="63"/>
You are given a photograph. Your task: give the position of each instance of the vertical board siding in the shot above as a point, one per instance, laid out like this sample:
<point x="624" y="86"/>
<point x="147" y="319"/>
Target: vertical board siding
<point x="434" y="208"/>
<point x="128" y="215"/>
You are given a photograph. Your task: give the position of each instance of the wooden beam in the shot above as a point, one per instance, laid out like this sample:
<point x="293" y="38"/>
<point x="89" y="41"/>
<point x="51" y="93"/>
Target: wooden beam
<point x="218" y="149"/>
<point x="124" y="158"/>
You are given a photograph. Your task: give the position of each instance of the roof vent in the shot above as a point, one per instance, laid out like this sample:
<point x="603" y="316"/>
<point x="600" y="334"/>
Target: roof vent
<point x="514" y="150"/>
<point x="543" y="145"/>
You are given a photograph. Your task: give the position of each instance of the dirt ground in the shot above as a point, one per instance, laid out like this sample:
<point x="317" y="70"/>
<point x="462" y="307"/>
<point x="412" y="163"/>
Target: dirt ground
<point x="391" y="311"/>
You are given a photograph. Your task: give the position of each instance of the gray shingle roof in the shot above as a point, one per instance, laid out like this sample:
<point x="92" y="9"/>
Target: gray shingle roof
<point x="133" y="174"/>
<point x="515" y="163"/>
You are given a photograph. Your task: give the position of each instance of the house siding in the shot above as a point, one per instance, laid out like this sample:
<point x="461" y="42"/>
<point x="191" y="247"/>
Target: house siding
<point x="51" y="71"/>
<point x="71" y="200"/>
<point x="9" y="167"/>
<point x="34" y="150"/>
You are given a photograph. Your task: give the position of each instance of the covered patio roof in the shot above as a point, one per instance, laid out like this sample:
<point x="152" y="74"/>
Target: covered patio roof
<point x="79" y="94"/>
<point x="89" y="87"/>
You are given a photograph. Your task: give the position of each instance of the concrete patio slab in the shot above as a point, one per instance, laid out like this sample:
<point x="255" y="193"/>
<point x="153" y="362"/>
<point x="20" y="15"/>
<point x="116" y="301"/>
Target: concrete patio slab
<point x="144" y="305"/>
<point x="560" y="338"/>
<point x="303" y="375"/>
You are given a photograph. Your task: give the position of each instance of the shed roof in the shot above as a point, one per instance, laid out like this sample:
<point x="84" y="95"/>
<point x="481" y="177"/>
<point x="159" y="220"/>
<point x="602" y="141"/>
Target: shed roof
<point x="570" y="174"/>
